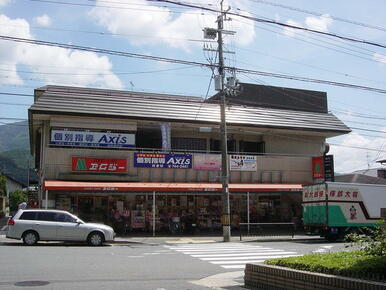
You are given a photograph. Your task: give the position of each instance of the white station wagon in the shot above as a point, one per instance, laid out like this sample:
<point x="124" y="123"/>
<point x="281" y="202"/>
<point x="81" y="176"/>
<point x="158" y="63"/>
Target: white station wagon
<point x="33" y="225"/>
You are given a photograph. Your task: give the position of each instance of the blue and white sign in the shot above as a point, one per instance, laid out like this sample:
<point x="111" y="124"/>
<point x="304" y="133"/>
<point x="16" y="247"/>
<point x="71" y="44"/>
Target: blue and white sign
<point x="160" y="160"/>
<point x="91" y="139"/>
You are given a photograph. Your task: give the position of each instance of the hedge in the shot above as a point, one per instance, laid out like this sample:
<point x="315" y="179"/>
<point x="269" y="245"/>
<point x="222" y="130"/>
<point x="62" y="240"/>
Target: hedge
<point x="354" y="264"/>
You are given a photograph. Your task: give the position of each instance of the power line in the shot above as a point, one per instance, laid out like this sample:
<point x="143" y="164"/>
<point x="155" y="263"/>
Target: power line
<point x="185" y="62"/>
<point x="110" y="7"/>
<point x="102" y="33"/>
<point x="320" y="14"/>
<point x="271" y="21"/>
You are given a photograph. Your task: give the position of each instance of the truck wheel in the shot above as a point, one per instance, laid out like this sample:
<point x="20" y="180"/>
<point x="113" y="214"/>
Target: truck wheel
<point x="331" y="237"/>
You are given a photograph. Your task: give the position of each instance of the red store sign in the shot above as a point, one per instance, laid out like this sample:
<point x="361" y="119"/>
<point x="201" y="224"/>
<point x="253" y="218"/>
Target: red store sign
<point x="317" y="168"/>
<point x="85" y="164"/>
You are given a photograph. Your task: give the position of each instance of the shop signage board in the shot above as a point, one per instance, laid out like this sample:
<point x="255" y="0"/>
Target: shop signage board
<point x="329" y="168"/>
<point x="161" y="160"/>
<point x="100" y="165"/>
<point x="317" y="168"/>
<point x="243" y="163"/>
<point x="207" y="162"/>
<point x="77" y="138"/>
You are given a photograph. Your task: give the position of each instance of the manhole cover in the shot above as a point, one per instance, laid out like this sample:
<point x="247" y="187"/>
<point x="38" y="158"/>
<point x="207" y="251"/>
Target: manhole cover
<point x="31" y="283"/>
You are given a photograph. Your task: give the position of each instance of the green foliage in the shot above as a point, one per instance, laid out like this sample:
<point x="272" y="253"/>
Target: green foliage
<point x="3" y="185"/>
<point x="15" y="198"/>
<point x="373" y="243"/>
<point x="351" y="264"/>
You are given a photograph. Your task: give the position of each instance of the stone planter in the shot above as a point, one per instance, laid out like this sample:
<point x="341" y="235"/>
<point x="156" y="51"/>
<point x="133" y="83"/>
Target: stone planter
<point x="260" y="276"/>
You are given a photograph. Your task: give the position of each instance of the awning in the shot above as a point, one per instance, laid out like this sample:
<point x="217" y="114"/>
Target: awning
<point x="59" y="185"/>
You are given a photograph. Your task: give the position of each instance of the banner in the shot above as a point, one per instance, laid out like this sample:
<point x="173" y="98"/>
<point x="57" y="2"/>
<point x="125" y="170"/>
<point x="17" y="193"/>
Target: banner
<point x="243" y="163"/>
<point x="74" y="138"/>
<point x="160" y="160"/>
<point x="207" y="162"/>
<point x="165" y="133"/>
<point x="85" y="164"/>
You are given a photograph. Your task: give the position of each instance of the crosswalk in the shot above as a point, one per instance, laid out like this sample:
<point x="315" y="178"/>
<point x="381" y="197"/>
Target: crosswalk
<point x="231" y="255"/>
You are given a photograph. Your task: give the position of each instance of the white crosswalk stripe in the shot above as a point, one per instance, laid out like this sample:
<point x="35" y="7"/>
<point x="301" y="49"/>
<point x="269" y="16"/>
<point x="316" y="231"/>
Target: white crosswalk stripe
<point x="231" y="255"/>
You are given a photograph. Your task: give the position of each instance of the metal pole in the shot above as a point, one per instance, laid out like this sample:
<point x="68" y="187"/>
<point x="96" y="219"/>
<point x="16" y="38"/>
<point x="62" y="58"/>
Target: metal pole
<point x="153" y="213"/>
<point x="248" y="218"/>
<point x="46" y="199"/>
<point x="223" y="132"/>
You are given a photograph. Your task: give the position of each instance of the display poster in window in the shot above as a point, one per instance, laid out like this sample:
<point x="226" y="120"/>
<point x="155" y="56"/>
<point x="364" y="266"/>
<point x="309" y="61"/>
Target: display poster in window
<point x="160" y="160"/>
<point x="243" y="163"/>
<point x="207" y="162"/>
<point x="78" y="138"/>
<point x="99" y="165"/>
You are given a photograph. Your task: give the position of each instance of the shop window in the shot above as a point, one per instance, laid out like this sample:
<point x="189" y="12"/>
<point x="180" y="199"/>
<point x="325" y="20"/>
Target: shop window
<point x="215" y="145"/>
<point x="148" y="138"/>
<point x="252" y="147"/>
<point x="189" y="143"/>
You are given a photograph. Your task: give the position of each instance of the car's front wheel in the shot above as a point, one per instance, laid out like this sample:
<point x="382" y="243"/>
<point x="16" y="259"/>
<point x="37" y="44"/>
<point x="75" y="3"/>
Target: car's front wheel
<point x="95" y="239"/>
<point x="30" y="238"/>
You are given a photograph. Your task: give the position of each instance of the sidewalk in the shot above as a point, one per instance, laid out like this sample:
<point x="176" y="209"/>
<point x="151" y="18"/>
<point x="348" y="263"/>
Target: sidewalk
<point x="149" y="240"/>
<point x="209" y="239"/>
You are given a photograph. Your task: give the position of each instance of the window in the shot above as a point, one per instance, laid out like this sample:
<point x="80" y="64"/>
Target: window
<point x="47" y="216"/>
<point x="28" y="215"/>
<point x="215" y="145"/>
<point x="148" y="138"/>
<point x="62" y="217"/>
<point x="252" y="147"/>
<point x="189" y="143"/>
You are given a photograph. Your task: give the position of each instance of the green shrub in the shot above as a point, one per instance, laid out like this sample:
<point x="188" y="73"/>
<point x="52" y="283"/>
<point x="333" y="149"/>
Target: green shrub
<point x="373" y="243"/>
<point x="351" y="264"/>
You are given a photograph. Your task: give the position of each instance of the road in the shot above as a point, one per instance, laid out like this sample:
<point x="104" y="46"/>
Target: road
<point x="167" y="265"/>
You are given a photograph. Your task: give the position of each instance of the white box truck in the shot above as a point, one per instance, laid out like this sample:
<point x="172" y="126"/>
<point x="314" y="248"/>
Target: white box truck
<point x="334" y="209"/>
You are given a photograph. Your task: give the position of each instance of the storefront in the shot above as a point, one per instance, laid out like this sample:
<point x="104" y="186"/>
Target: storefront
<point x="147" y="207"/>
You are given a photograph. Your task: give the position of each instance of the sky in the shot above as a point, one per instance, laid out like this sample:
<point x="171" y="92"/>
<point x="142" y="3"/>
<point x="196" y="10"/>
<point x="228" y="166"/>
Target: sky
<point x="172" y="31"/>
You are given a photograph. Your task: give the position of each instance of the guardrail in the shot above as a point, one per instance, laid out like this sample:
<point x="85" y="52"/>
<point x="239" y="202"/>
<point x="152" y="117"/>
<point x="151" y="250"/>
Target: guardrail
<point x="267" y="229"/>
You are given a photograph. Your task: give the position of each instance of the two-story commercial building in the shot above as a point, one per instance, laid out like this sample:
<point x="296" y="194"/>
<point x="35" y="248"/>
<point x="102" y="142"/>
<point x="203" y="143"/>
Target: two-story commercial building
<point x="115" y="156"/>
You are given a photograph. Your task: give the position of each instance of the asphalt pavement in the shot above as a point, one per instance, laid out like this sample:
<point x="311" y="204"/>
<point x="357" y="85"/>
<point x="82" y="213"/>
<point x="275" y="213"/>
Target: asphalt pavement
<point x="154" y="263"/>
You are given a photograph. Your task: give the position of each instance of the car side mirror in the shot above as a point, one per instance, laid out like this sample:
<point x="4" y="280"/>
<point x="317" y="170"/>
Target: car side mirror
<point x="78" y="222"/>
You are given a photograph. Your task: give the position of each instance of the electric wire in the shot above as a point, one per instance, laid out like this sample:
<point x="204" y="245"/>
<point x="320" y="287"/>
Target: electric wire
<point x="185" y="62"/>
<point x="320" y="14"/>
<point x="271" y="21"/>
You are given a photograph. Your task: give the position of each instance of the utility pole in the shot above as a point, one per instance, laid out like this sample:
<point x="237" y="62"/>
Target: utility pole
<point x="225" y="220"/>
<point x="230" y="88"/>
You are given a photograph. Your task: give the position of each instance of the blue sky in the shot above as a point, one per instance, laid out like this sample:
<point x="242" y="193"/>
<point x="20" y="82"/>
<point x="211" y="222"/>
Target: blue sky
<point x="167" y="30"/>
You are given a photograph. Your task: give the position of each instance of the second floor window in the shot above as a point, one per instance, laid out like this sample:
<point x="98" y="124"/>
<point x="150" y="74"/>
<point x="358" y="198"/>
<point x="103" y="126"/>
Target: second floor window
<point x="179" y="143"/>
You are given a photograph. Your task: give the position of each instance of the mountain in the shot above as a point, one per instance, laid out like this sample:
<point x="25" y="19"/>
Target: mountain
<point x="14" y="136"/>
<point x="14" y="152"/>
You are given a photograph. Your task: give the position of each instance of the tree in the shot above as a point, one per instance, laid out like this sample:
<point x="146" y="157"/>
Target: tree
<point x="15" y="198"/>
<point x="3" y="185"/>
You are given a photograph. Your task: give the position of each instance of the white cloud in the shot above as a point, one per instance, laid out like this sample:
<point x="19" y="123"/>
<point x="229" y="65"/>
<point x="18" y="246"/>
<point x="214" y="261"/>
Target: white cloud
<point x="291" y="31"/>
<point x="43" y="20"/>
<point x="51" y="64"/>
<point x="350" y="159"/>
<point x="380" y="58"/>
<point x="321" y="23"/>
<point x="4" y="2"/>
<point x="149" y="24"/>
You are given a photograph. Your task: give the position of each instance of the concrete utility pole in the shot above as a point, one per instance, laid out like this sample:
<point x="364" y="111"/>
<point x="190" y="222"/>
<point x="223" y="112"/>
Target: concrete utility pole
<point x="226" y="225"/>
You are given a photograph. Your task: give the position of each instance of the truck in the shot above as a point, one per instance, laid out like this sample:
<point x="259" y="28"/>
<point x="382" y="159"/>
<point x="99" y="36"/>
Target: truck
<point x="334" y="209"/>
